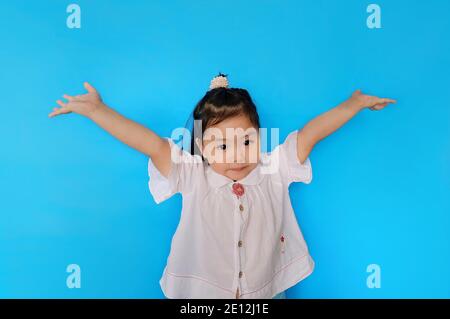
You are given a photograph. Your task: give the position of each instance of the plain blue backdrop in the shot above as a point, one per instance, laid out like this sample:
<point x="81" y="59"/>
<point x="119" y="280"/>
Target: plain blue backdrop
<point x="70" y="193"/>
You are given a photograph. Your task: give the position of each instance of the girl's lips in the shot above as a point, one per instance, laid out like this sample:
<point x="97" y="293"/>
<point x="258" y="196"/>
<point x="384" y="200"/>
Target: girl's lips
<point x="238" y="169"/>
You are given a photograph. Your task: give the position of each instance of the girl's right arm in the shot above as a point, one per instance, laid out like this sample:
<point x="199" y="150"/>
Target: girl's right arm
<point x="129" y="132"/>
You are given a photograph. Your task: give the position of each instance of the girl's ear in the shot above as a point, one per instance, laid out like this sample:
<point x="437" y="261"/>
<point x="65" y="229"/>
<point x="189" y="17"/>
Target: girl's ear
<point x="198" y="142"/>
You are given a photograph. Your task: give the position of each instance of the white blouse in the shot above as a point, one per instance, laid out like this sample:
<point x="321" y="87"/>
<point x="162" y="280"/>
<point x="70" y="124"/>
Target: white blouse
<point x="224" y="242"/>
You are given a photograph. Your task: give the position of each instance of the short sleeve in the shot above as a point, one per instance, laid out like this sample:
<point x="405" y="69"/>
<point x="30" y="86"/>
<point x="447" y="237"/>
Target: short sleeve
<point x="290" y="167"/>
<point x="182" y="173"/>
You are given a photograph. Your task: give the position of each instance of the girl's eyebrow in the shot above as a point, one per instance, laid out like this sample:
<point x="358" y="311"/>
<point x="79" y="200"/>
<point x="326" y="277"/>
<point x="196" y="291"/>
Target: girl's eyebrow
<point x="219" y="139"/>
<point x="225" y="139"/>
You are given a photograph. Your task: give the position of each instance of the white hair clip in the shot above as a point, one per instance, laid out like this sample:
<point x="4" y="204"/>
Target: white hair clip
<point x="219" y="81"/>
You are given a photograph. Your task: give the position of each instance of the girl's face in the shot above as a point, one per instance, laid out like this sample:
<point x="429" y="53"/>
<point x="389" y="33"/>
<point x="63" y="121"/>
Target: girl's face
<point x="231" y="147"/>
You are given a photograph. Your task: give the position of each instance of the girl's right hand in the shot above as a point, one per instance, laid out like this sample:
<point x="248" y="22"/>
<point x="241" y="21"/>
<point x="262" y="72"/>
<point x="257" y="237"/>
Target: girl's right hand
<point x="85" y="104"/>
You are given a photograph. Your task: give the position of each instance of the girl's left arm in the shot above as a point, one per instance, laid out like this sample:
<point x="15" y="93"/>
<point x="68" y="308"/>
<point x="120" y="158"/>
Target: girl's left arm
<point x="330" y="121"/>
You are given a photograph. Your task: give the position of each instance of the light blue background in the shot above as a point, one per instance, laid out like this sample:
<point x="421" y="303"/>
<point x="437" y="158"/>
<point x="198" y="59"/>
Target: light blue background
<point x="70" y="193"/>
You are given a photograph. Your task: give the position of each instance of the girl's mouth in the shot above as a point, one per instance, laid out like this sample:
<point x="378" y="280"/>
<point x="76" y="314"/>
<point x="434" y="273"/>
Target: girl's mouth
<point x="238" y="169"/>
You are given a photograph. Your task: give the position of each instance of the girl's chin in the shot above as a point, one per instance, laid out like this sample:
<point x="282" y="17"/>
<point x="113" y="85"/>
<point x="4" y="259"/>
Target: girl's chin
<point x="237" y="174"/>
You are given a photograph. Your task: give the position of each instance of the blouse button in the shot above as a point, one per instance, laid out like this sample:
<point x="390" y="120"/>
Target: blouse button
<point x="241" y="207"/>
<point x="240" y="274"/>
<point x="240" y="243"/>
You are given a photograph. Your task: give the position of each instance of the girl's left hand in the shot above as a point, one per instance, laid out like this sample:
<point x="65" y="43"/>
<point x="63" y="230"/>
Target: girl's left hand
<point x="374" y="103"/>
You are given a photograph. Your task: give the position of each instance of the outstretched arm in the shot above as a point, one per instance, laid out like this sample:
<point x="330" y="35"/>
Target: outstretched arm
<point x="127" y="131"/>
<point x="328" y="122"/>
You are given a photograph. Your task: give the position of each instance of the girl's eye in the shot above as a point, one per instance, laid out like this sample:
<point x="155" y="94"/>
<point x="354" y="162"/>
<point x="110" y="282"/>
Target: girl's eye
<point x="248" y="142"/>
<point x="222" y="147"/>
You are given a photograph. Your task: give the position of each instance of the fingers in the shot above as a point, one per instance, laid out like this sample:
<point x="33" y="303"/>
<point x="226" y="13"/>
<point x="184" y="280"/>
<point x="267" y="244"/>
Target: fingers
<point x="59" y="111"/>
<point x="378" y="106"/>
<point x="64" y="109"/>
<point x="386" y="100"/>
<point x="55" y="111"/>
<point x="68" y="97"/>
<point x="378" y="103"/>
<point x="89" y="88"/>
<point x="61" y="103"/>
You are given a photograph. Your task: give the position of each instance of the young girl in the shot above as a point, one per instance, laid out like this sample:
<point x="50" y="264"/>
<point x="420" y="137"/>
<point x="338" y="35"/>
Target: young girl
<point x="238" y="236"/>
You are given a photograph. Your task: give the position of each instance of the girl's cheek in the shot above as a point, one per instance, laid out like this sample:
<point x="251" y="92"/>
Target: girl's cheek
<point x="220" y="156"/>
<point x="252" y="154"/>
<point x="220" y="168"/>
<point x="211" y="153"/>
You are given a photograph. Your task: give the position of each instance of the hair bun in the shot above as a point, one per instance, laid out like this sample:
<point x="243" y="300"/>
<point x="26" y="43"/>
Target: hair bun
<point x="219" y="81"/>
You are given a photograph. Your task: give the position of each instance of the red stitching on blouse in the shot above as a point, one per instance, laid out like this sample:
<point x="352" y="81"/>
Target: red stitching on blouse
<point x="191" y="276"/>
<point x="294" y="260"/>
<point x="207" y="281"/>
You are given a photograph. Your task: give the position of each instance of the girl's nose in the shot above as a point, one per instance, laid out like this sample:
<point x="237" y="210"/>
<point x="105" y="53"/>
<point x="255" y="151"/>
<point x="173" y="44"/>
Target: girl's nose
<point x="240" y="155"/>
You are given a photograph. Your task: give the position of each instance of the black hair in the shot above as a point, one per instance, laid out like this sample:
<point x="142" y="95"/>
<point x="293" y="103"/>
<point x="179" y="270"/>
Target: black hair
<point x="219" y="104"/>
